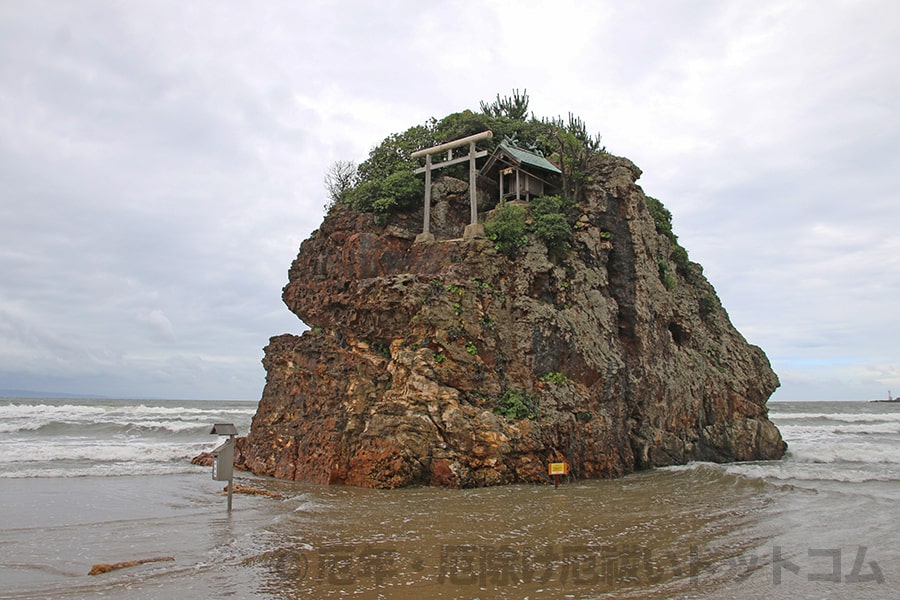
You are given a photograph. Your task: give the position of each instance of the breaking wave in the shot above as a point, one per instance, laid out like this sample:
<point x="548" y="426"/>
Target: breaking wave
<point x="47" y="438"/>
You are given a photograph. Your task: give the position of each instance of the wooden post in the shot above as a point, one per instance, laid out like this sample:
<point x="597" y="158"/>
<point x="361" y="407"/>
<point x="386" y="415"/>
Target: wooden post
<point x="230" y="486"/>
<point x="426" y="228"/>
<point x="231" y="472"/>
<point x="472" y="187"/>
<point x="426" y="235"/>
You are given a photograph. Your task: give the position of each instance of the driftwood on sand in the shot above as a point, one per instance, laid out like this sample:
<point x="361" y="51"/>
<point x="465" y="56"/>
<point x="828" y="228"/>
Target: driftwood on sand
<point x="107" y="567"/>
<point x="252" y="491"/>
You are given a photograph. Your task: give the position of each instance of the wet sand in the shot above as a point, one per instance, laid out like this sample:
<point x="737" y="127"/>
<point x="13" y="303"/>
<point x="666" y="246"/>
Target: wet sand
<point x="822" y="523"/>
<point x="691" y="533"/>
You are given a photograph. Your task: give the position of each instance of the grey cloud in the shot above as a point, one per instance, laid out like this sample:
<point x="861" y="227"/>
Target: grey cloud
<point x="160" y="163"/>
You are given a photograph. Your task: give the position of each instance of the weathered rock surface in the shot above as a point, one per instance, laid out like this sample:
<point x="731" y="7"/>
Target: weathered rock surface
<point x="412" y="345"/>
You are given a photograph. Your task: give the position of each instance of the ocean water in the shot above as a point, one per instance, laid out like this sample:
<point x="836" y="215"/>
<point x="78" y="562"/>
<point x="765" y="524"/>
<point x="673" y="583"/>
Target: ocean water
<point x="103" y="481"/>
<point x="82" y="438"/>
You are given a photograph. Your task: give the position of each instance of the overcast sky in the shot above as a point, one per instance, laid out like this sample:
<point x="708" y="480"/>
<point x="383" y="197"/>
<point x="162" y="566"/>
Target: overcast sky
<point x="160" y="163"/>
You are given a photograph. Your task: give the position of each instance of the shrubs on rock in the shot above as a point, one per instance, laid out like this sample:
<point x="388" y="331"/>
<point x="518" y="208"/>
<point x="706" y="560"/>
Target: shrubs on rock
<point x="506" y="228"/>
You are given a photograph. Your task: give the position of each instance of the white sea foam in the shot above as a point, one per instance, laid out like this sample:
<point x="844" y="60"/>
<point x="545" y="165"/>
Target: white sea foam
<point x="78" y="412"/>
<point x="844" y="452"/>
<point x="32" y="417"/>
<point x="49" y="439"/>
<point x="123" y="425"/>
<point x="80" y="459"/>
<point x="100" y="470"/>
<point x="835" y="432"/>
<point x="786" y="471"/>
<point x="49" y="411"/>
<point x="166" y="425"/>
<point x="846" y="417"/>
<point x="859" y="429"/>
<point x="854" y="446"/>
<point x="99" y="452"/>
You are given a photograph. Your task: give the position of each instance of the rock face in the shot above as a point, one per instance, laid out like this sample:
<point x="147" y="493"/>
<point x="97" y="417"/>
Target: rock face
<point x="414" y="345"/>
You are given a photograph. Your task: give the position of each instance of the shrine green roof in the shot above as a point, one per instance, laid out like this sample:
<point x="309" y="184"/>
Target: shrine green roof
<point x="526" y="157"/>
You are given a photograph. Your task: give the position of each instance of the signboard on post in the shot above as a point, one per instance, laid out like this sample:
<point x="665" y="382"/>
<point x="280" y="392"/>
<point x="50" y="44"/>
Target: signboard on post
<point x="223" y="457"/>
<point x="559" y="468"/>
<point x="223" y="461"/>
<point x="556" y="470"/>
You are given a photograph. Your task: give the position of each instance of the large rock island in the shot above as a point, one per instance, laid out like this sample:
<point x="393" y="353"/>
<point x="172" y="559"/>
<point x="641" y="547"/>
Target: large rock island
<point x="453" y="363"/>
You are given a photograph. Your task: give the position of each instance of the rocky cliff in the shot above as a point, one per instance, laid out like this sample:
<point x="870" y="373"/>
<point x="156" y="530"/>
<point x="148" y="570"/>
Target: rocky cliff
<point x="448" y="363"/>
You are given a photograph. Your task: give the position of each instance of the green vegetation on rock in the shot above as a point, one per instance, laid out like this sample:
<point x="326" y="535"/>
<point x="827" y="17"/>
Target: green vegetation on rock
<point x="516" y="405"/>
<point x="557" y="377"/>
<point x="662" y="218"/>
<point x="707" y="304"/>
<point x="665" y="274"/>
<point x="385" y="182"/>
<point x="506" y="228"/>
<point x="550" y="225"/>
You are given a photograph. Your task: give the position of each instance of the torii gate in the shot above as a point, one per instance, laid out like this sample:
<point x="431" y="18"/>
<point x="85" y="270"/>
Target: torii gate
<point x="473" y="229"/>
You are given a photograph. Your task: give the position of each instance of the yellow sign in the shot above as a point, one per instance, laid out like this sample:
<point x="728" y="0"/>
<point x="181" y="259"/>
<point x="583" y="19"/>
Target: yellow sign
<point x="559" y="468"/>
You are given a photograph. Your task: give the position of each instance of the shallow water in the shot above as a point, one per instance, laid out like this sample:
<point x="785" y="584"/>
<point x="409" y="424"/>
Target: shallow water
<point x="815" y="525"/>
<point x="640" y="533"/>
